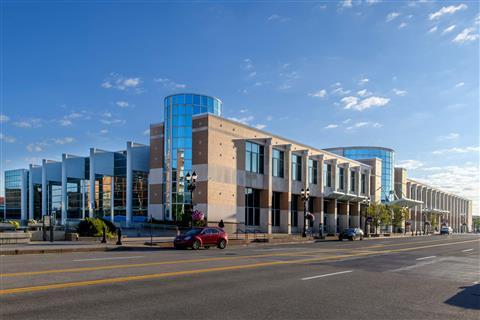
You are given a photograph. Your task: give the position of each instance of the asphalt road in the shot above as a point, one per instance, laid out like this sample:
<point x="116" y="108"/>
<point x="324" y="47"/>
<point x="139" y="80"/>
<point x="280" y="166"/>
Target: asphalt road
<point x="434" y="277"/>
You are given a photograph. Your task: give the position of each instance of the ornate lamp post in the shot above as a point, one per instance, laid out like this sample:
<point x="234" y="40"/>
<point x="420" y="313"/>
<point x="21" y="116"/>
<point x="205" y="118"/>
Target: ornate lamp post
<point x="305" y="194"/>
<point x="366" y="202"/>
<point x="191" y="186"/>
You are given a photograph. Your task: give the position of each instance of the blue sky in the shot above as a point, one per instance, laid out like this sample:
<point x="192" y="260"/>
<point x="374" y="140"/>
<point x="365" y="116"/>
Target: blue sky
<point x="398" y="74"/>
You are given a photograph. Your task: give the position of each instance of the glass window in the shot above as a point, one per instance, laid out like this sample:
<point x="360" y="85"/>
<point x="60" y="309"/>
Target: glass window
<point x="276" y="209"/>
<point x="353" y="181"/>
<point x="312" y="171"/>
<point x="296" y="167"/>
<point x="363" y="183"/>
<point x="327" y="175"/>
<point x="252" y="207"/>
<point x="196" y="100"/>
<point x="188" y="99"/>
<point x="277" y="163"/>
<point x="341" y="178"/>
<point x="254" y="154"/>
<point x="294" y="210"/>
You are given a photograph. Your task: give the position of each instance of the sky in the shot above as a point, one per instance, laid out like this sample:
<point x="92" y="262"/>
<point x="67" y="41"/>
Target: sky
<point x="398" y="74"/>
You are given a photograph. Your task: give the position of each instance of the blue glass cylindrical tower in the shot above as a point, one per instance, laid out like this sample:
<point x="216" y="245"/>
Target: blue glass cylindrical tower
<point x="388" y="164"/>
<point x="178" y="112"/>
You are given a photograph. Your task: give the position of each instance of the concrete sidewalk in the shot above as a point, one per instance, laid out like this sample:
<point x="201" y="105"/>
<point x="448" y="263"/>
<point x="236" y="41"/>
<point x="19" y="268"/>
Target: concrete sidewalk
<point x="143" y="243"/>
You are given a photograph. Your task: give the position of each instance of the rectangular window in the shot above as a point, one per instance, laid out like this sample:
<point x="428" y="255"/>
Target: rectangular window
<point x="312" y="171"/>
<point x="252" y="207"/>
<point x="254" y="157"/>
<point x="294" y="210"/>
<point x="327" y="175"/>
<point x="353" y="181"/>
<point x="276" y="209"/>
<point x="277" y="163"/>
<point x="296" y="167"/>
<point x="341" y="178"/>
<point x="363" y="183"/>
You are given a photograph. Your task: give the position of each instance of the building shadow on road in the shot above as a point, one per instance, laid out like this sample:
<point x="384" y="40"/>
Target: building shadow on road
<point x="468" y="298"/>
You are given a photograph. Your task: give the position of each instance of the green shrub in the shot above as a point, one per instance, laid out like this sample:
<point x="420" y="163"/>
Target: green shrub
<point x="93" y="227"/>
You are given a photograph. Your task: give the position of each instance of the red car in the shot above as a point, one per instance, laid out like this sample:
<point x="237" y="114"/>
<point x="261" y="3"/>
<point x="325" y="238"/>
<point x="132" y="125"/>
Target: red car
<point x="202" y="237"/>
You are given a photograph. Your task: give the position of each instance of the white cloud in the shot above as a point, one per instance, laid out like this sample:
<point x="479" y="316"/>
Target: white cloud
<point x="269" y="118"/>
<point x="260" y="126"/>
<point x="252" y="74"/>
<point x="277" y="17"/>
<point x="113" y="121"/>
<point x="364" y="93"/>
<point x="65" y="140"/>
<point x="402" y="25"/>
<point x="65" y="122"/>
<point x="36" y="147"/>
<point x="367" y="103"/>
<point x="477" y="19"/>
<point x="433" y="29"/>
<point x="365" y="124"/>
<point x="468" y="34"/>
<point x="392" y="16"/>
<point x="457" y="150"/>
<point x="248" y="63"/>
<point x="346" y="120"/>
<point x="446" y="10"/>
<point x="6" y="138"/>
<point x="104" y="131"/>
<point x="370" y="2"/>
<point x="122" y="83"/>
<point x="243" y="110"/>
<point x="347" y="4"/>
<point x="449" y="29"/>
<point x="169" y="83"/>
<point x="450" y="136"/>
<point x="399" y="92"/>
<point x="146" y="132"/>
<point x="245" y="120"/>
<point x="319" y="94"/>
<point x="4" y="118"/>
<point x="460" y="84"/>
<point x="339" y="91"/>
<point x="331" y="126"/>
<point x="122" y="104"/>
<point x="410" y="164"/>
<point x="29" y="123"/>
<point x="363" y="81"/>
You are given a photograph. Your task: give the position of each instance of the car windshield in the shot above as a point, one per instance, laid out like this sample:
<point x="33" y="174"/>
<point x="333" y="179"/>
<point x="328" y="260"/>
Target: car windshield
<point x="193" y="232"/>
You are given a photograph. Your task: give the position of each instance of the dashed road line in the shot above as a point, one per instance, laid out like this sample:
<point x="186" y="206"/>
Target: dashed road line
<point x="326" y="275"/>
<point x="425" y="258"/>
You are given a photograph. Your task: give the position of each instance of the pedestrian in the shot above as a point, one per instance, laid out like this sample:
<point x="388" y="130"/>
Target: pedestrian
<point x="221" y="224"/>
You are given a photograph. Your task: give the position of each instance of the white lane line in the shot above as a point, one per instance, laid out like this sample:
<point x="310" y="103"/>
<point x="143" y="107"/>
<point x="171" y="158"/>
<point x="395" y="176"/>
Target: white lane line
<point x="326" y="275"/>
<point x="113" y="258"/>
<point x="466" y="250"/>
<point x="424" y="258"/>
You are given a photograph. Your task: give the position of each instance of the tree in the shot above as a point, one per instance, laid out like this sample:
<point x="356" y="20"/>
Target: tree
<point x="476" y="223"/>
<point x="400" y="214"/>
<point x="379" y="215"/>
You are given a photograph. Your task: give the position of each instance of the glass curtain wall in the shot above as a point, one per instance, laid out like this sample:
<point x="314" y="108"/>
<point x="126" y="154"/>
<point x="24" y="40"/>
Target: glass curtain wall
<point x="140" y="196"/>
<point x="120" y="186"/>
<point x="178" y="111"/>
<point x="13" y="185"/>
<point x="54" y="200"/>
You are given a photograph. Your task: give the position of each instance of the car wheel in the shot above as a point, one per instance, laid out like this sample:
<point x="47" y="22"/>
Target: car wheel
<point x="350" y="238"/>
<point x="196" y="245"/>
<point x="361" y="237"/>
<point x="222" y="244"/>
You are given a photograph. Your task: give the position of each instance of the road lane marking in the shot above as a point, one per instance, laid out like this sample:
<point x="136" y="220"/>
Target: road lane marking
<point x="425" y="258"/>
<point x="149" y="264"/>
<point x="467" y="250"/>
<point x="111" y="258"/>
<point x="326" y="275"/>
<point x="201" y="271"/>
<point x="421" y="264"/>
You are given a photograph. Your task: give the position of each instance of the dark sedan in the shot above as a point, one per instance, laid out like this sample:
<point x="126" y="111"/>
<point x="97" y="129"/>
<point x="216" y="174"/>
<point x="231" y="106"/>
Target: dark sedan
<point x="351" y="234"/>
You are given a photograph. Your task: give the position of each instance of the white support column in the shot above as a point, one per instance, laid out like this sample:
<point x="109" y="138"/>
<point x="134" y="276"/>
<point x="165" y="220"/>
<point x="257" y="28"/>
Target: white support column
<point x="44" y="188"/>
<point x="91" y="204"/>
<point x="30" y="193"/>
<point x="82" y="190"/>
<point x="23" y="196"/>
<point x="64" y="189"/>
<point x="112" y="200"/>
<point x="129" y="186"/>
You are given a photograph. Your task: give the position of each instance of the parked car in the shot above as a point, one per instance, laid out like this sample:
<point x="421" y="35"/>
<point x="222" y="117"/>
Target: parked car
<point x="446" y="230"/>
<point x="202" y="237"/>
<point x="351" y="234"/>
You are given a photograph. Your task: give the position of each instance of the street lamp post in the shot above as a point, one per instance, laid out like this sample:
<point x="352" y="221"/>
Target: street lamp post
<point x="366" y="202"/>
<point x="191" y="186"/>
<point x="305" y="196"/>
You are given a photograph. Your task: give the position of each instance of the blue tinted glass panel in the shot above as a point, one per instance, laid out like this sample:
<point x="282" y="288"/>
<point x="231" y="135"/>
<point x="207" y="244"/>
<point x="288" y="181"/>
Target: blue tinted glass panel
<point x="196" y="99"/>
<point x="188" y="99"/>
